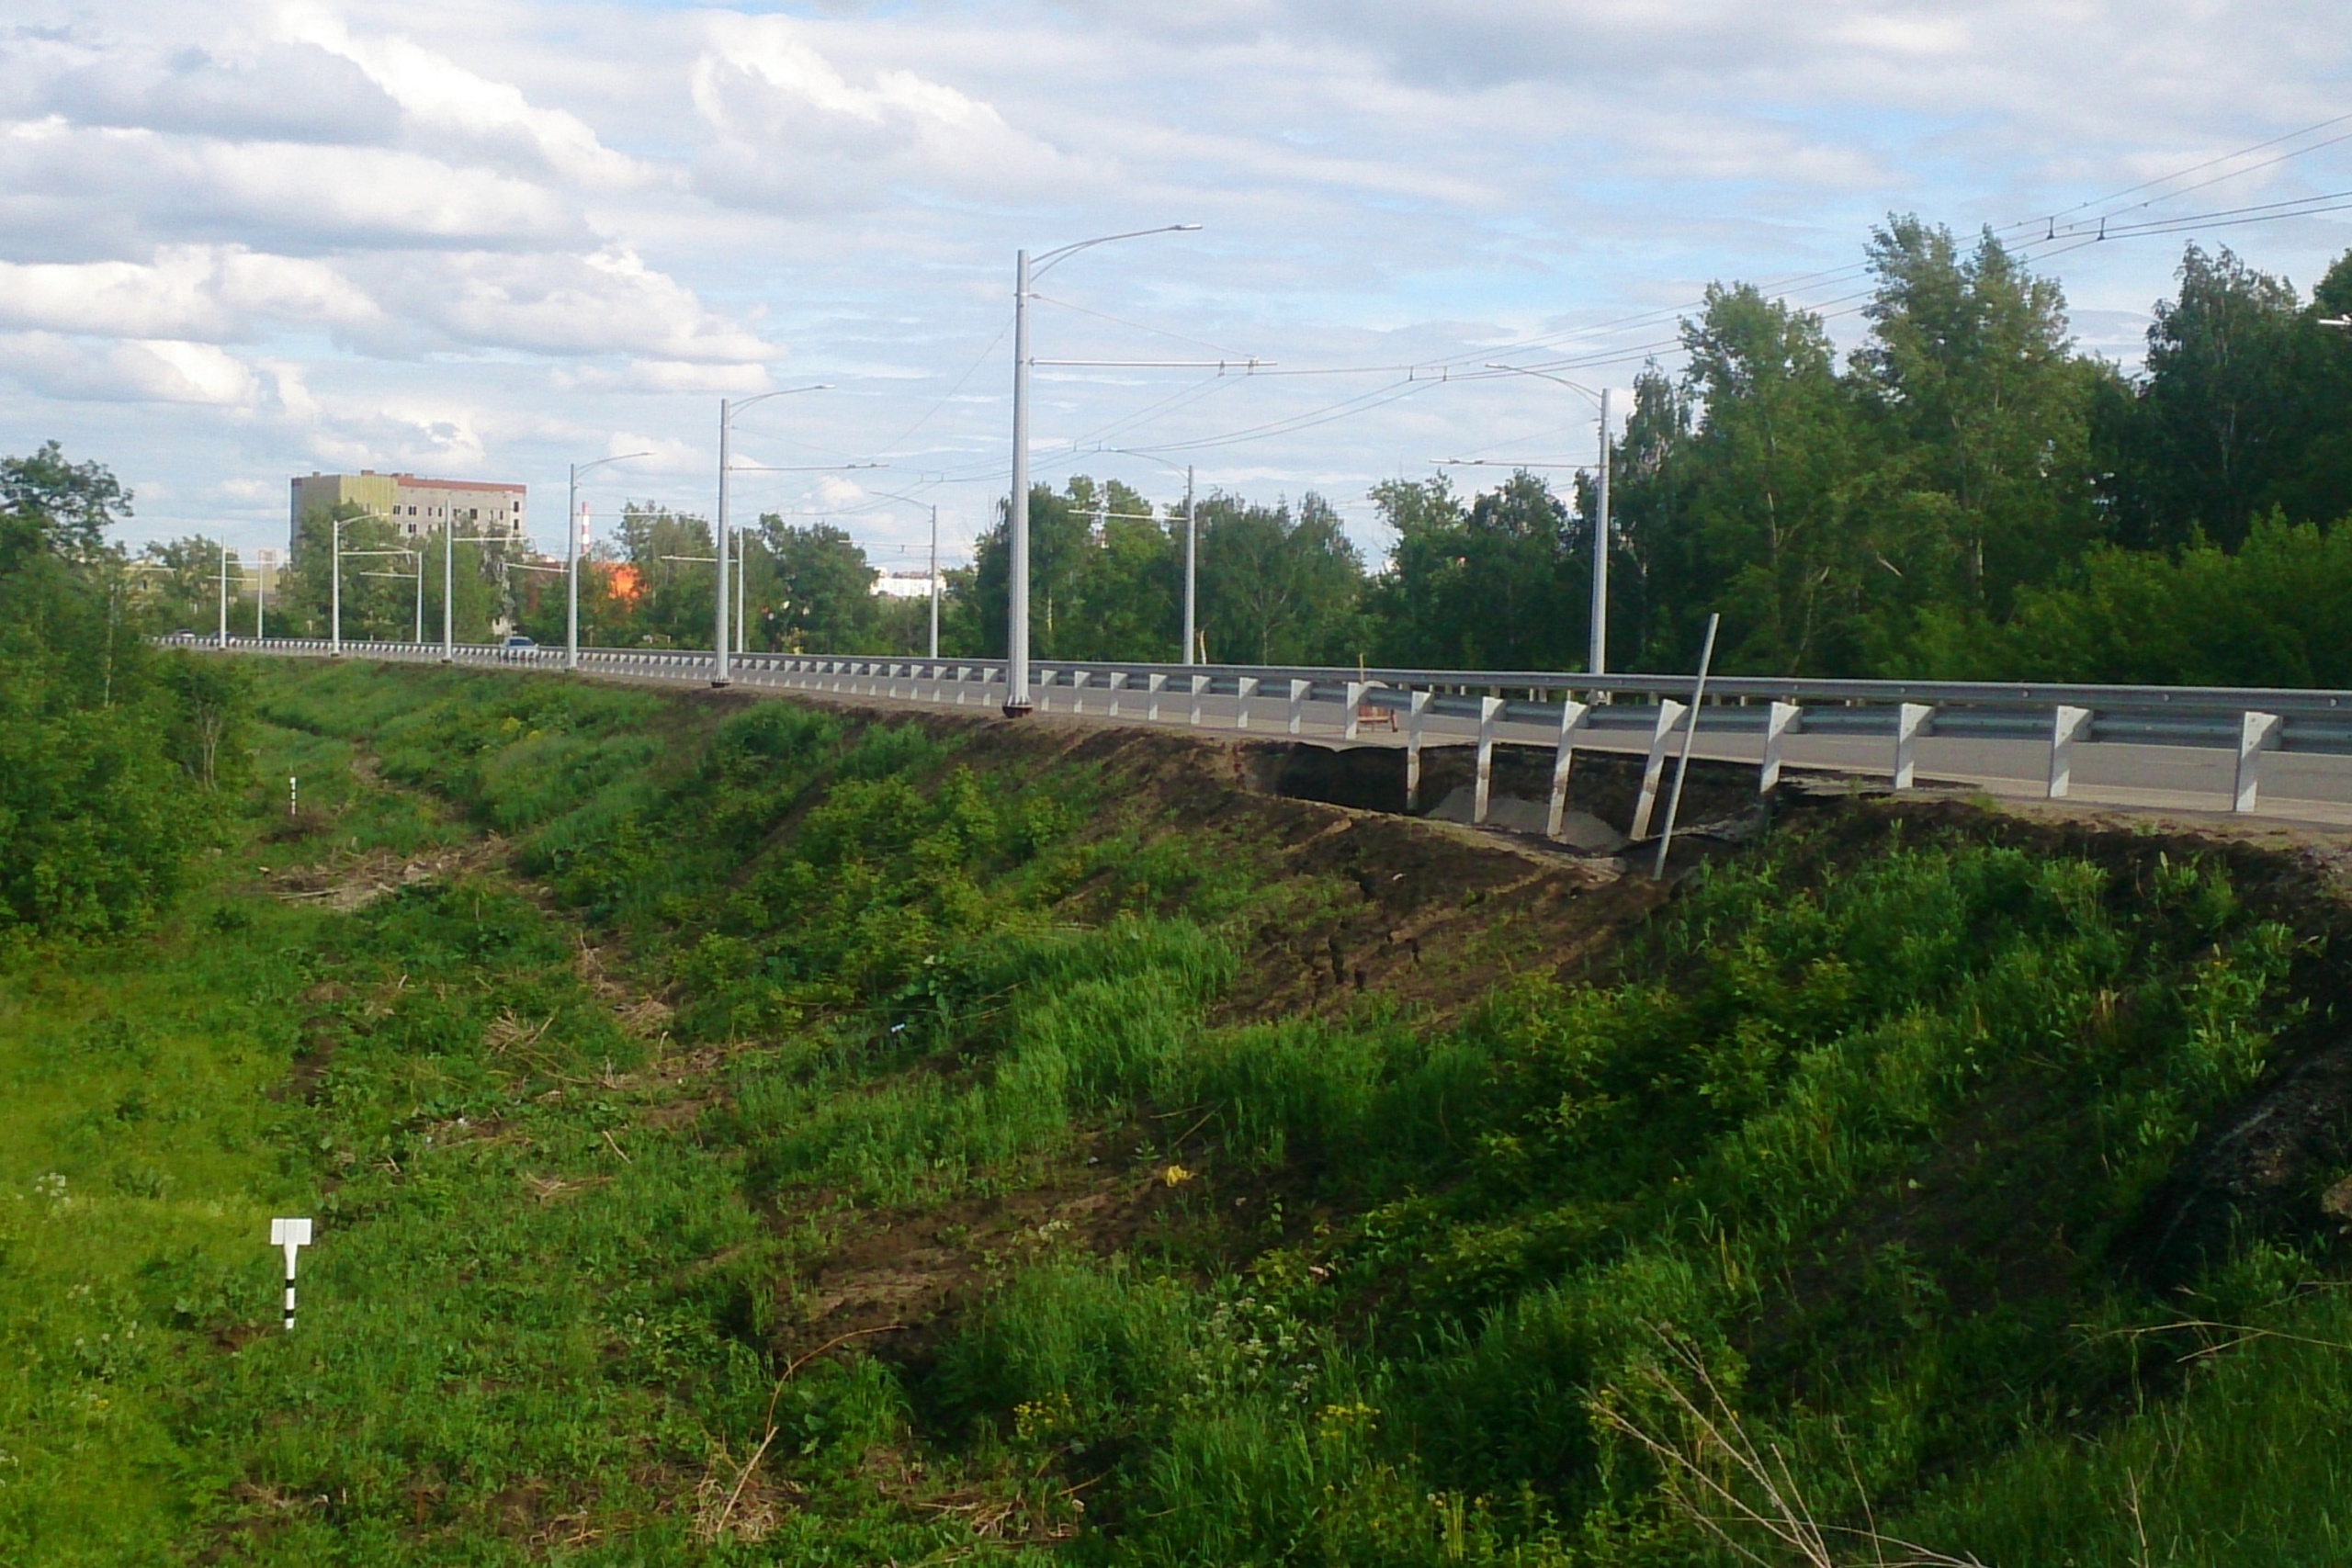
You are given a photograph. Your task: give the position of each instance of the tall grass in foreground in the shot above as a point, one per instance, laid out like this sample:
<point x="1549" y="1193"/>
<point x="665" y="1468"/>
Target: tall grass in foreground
<point x="1862" y="1127"/>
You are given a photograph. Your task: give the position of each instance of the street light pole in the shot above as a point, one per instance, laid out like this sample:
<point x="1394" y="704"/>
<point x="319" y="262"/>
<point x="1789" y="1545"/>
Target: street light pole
<point x="1016" y="652"/>
<point x="335" y="592"/>
<point x="572" y="570"/>
<point x="224" y="593"/>
<point x="1191" y="571"/>
<point x="572" y="555"/>
<point x="726" y="412"/>
<point x="1016" y="692"/>
<point x="718" y="637"/>
<point x="934" y="583"/>
<point x="1188" y="651"/>
<point x="1597" y="648"/>
<point x="449" y="585"/>
<point x="1596" y="659"/>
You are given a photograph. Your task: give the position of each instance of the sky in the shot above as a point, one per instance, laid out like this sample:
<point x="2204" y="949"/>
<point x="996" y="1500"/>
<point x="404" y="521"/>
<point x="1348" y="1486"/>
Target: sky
<point x="242" y="240"/>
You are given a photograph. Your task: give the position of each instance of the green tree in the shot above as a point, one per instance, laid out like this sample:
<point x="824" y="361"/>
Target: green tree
<point x="670" y="599"/>
<point x="1983" y="414"/>
<point x="811" y="589"/>
<point x="378" y="589"/>
<point x="2276" y="612"/>
<point x="97" y="820"/>
<point x="70" y="506"/>
<point x="1279" y="586"/>
<point x="1072" y="613"/>
<point x="1771" y="535"/>
<point x="2246" y="405"/>
<point x="176" y="585"/>
<point x="1504" y="584"/>
<point x="1650" y="480"/>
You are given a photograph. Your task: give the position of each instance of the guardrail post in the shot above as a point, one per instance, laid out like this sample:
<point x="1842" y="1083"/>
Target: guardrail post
<point x="2068" y="726"/>
<point x="1200" y="686"/>
<point x="1489" y="710"/>
<point x="1911" y="721"/>
<point x="1114" y="682"/>
<point x="1153" y="686"/>
<point x="1668" y="712"/>
<point x="1243" y="690"/>
<point x="1042" y="690"/>
<point x="1298" y="690"/>
<point x="2257" y="733"/>
<point x="1572" y="718"/>
<point x="1078" y="679"/>
<point x="1355" y="692"/>
<point x="1781" y="721"/>
<point x="963" y="678"/>
<point x="1414" y="716"/>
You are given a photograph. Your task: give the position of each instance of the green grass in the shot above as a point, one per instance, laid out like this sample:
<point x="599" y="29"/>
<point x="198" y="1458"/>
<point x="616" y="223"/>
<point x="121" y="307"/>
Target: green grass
<point x="1865" y="1122"/>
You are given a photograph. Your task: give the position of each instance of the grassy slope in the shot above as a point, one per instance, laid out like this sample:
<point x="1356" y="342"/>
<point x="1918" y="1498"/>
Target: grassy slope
<point x="878" y="1103"/>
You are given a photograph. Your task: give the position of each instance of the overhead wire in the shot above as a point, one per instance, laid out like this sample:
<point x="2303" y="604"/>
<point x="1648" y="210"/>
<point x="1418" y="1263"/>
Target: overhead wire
<point x="1598" y="353"/>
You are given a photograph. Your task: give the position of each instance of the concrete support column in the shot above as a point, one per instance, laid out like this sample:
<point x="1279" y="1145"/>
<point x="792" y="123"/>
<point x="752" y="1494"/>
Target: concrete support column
<point x="2068" y="726"/>
<point x="1243" y="690"/>
<point x="1416" y="719"/>
<point x="1572" y="718"/>
<point x="1153" y="686"/>
<point x="2257" y="733"/>
<point x="1490" y="710"/>
<point x="1298" y="690"/>
<point x="1669" y="712"/>
<point x="1911" y="721"/>
<point x="1781" y="721"/>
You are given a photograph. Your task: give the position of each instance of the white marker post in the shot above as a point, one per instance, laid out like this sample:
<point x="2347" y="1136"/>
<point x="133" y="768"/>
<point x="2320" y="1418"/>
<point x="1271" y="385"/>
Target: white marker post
<point x="293" y="797"/>
<point x="292" y="1236"/>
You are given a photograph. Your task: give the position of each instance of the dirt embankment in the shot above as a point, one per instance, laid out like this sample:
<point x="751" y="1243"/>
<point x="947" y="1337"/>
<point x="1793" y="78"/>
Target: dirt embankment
<point x="1426" y="917"/>
<point x="1430" y="916"/>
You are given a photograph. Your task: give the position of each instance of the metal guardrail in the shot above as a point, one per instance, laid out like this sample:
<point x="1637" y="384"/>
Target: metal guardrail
<point x="1639" y="711"/>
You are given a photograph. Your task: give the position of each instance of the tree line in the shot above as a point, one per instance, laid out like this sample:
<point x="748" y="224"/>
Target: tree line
<point x="116" y="758"/>
<point x="1963" y="493"/>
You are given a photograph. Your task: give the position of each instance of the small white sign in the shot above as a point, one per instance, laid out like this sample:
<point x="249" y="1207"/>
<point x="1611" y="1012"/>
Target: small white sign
<point x="292" y="1236"/>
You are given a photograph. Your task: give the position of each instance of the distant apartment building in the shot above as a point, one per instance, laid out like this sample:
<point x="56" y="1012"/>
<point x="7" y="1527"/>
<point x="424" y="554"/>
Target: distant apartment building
<point x="903" y="584"/>
<point x="413" y="505"/>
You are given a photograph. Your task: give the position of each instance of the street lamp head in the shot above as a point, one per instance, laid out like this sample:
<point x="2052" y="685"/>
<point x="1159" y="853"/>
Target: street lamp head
<point x="1544" y="376"/>
<point x="1039" y="265"/>
<point x="2341" y="324"/>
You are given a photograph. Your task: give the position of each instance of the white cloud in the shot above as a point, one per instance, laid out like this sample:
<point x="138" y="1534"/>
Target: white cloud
<point x="217" y="293"/>
<point x="832" y="490"/>
<point x="605" y="303"/>
<point x="794" y="132"/>
<point x="128" y="188"/>
<point x="274" y="93"/>
<point x="666" y="376"/>
<point x="159" y="370"/>
<point x="472" y="110"/>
